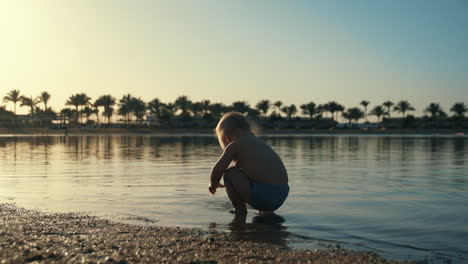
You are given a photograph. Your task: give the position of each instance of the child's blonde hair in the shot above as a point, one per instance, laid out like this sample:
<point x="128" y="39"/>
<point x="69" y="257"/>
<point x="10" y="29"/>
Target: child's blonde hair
<point x="232" y="124"/>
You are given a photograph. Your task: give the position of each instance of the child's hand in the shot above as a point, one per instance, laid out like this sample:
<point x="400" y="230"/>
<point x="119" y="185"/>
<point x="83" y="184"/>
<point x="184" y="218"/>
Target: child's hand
<point x="212" y="189"/>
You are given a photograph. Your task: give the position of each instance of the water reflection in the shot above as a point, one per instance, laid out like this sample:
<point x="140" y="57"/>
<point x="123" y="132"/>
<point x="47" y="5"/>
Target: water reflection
<point x="264" y="228"/>
<point x="459" y="151"/>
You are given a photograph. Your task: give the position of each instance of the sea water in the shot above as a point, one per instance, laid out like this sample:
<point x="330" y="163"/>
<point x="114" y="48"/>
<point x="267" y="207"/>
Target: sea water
<point x="403" y="197"/>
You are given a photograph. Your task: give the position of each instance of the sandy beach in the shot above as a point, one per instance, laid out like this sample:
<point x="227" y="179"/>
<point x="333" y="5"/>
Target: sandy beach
<point x="28" y="236"/>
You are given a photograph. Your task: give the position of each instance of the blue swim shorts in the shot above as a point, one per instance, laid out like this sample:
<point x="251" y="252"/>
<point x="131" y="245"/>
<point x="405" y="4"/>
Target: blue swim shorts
<point x="267" y="197"/>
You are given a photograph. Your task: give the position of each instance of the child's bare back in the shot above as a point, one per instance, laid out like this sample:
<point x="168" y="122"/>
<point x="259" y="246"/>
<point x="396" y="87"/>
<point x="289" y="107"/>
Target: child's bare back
<point x="258" y="160"/>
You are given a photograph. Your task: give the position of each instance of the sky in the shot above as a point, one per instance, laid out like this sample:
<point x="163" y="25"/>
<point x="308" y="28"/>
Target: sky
<point x="294" y="51"/>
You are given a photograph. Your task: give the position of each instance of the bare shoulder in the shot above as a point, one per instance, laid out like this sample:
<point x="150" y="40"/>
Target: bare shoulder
<point x="242" y="144"/>
<point x="232" y="147"/>
<point x="244" y="141"/>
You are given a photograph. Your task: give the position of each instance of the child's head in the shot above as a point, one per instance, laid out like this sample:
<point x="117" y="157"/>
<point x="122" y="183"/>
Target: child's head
<point x="231" y="126"/>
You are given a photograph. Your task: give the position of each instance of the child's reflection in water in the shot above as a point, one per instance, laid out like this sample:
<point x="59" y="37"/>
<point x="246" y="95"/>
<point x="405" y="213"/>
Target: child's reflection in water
<point x="264" y="228"/>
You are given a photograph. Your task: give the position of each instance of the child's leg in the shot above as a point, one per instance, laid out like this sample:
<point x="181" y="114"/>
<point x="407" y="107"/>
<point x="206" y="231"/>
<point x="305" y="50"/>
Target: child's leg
<point x="238" y="189"/>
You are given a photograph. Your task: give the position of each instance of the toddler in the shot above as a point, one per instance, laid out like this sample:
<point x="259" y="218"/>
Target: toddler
<point x="258" y="176"/>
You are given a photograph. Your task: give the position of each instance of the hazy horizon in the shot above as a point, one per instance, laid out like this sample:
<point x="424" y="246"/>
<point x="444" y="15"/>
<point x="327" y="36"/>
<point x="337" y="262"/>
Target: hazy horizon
<point x="295" y="51"/>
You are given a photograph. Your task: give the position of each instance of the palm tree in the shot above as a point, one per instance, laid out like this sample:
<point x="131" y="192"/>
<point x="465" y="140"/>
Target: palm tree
<point x="67" y="114"/>
<point x="45" y="116"/>
<point x="365" y="104"/>
<point x="88" y="111"/>
<point x="167" y="111"/>
<point x="309" y="109"/>
<point x="138" y="108"/>
<point x="340" y="109"/>
<point x="227" y="108"/>
<point x="78" y="100"/>
<point x="304" y="109"/>
<point x="14" y="97"/>
<point x="347" y="116"/>
<point x="278" y="105"/>
<point x="73" y="100"/>
<point x="403" y="107"/>
<point x="435" y="110"/>
<point x="290" y="111"/>
<point x="108" y="112"/>
<point x="196" y="108"/>
<point x="84" y="101"/>
<point x="125" y="107"/>
<point x="389" y="105"/>
<point x="241" y="107"/>
<point x="108" y="102"/>
<point x="263" y="106"/>
<point x="333" y="107"/>
<point x="29" y="101"/>
<point x="378" y="111"/>
<point x="459" y="109"/>
<point x="206" y="106"/>
<point x="171" y="107"/>
<point x="253" y="113"/>
<point x="44" y="98"/>
<point x="324" y="108"/>
<point x="154" y="106"/>
<point x="354" y="113"/>
<point x="182" y="103"/>
<point x="95" y="107"/>
<point x="217" y="109"/>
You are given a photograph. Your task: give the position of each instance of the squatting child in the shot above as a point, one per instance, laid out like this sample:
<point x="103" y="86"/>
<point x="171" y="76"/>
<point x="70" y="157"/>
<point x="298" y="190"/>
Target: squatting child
<point x="258" y="177"/>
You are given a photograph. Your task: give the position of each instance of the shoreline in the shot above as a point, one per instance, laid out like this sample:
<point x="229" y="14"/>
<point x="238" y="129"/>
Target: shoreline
<point x="33" y="236"/>
<point x="182" y="131"/>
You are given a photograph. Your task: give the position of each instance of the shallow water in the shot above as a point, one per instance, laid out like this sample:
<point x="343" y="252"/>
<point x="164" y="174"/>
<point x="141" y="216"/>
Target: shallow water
<point x="401" y="197"/>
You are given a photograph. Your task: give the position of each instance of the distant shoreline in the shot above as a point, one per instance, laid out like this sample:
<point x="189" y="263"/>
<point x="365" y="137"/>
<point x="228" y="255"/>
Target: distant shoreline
<point x="182" y="131"/>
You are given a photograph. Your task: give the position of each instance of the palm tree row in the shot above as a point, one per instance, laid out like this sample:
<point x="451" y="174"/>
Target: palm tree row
<point x="31" y="102"/>
<point x="134" y="108"/>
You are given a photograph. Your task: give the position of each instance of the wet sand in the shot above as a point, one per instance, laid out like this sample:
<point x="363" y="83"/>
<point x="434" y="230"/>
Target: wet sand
<point x="28" y="236"/>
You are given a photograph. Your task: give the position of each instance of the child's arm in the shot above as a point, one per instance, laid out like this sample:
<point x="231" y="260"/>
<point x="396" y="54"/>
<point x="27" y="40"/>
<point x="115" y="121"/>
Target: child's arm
<point x="220" y="167"/>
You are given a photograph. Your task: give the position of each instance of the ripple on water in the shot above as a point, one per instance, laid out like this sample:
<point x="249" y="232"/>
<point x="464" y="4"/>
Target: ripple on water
<point x="403" y="197"/>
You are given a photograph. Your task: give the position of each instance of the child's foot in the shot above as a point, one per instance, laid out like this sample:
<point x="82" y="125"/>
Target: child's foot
<point x="236" y="212"/>
<point x="265" y="213"/>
